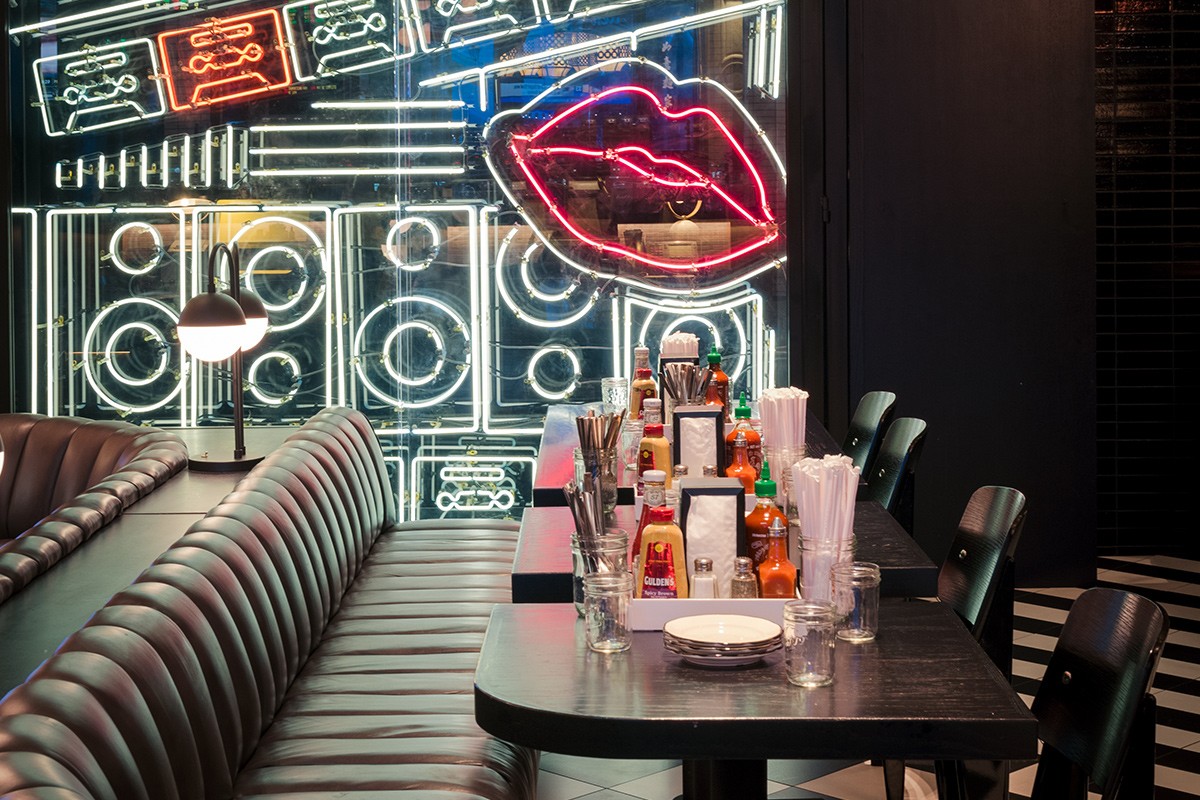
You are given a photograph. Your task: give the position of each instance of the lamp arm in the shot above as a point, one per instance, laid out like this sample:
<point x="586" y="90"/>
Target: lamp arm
<point x="213" y="253"/>
<point x="235" y="280"/>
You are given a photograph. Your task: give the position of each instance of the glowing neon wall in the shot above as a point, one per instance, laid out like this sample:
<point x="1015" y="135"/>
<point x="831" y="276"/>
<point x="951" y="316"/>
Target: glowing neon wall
<point x="456" y="211"/>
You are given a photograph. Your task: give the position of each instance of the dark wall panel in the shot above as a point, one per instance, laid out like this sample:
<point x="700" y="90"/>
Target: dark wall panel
<point x="1148" y="271"/>
<point x="971" y="279"/>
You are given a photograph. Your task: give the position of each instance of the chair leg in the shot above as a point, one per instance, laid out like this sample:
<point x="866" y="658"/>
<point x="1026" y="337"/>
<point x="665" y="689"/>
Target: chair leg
<point x="893" y="779"/>
<point x="972" y="780"/>
<point x="1137" y="775"/>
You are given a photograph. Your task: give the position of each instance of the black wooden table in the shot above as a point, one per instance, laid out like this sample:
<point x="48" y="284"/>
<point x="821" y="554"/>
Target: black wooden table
<point x="555" y="466"/>
<point x="542" y="567"/>
<point x="922" y="690"/>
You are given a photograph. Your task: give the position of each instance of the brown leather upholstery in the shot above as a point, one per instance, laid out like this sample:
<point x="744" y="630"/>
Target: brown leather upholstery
<point x="64" y="478"/>
<point x="295" y="642"/>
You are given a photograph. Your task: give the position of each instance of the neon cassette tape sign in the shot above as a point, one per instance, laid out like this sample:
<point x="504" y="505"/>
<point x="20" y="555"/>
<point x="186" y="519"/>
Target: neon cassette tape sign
<point x="98" y="87"/>
<point x="622" y="172"/>
<point x="224" y="59"/>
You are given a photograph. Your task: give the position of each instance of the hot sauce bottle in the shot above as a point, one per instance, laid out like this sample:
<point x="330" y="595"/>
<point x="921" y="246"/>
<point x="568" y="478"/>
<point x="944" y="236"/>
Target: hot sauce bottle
<point x="760" y="520"/>
<point x="776" y="574"/>
<point x="739" y="466"/>
<point x="717" y="391"/>
<point x="643" y="386"/>
<point x="753" y="438"/>
<point x="662" y="571"/>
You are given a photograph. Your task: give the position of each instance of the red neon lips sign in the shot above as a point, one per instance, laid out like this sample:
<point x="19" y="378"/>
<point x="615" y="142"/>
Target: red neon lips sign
<point x="627" y="133"/>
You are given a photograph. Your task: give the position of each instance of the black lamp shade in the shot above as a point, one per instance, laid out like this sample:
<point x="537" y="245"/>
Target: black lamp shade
<point x="212" y="326"/>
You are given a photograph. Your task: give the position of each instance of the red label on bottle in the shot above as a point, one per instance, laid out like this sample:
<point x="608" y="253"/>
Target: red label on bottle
<point x="645" y="460"/>
<point x="658" y="576"/>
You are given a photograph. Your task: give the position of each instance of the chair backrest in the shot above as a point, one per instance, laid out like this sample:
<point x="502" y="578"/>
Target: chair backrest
<point x="870" y="420"/>
<point x="897" y="459"/>
<point x="986" y="539"/>
<point x="1100" y="671"/>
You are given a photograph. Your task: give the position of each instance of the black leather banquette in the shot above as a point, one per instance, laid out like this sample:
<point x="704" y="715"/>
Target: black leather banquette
<point x="295" y="643"/>
<point x="65" y="478"/>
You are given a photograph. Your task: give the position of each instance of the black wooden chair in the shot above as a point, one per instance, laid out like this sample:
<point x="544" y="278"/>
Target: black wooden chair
<point x="976" y="580"/>
<point x="870" y="420"/>
<point x="890" y="481"/>
<point x="1096" y="716"/>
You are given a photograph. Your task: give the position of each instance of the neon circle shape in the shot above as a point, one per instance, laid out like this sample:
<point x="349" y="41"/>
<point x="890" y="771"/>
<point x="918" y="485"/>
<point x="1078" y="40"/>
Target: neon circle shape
<point x="110" y="361"/>
<point x="389" y="343"/>
<point x="92" y="375"/>
<point x="114" y="249"/>
<point x="504" y="269"/>
<point x="318" y="247"/>
<point x="252" y="377"/>
<point x="404" y="226"/>
<point x="381" y="392"/>
<point x="531" y="372"/>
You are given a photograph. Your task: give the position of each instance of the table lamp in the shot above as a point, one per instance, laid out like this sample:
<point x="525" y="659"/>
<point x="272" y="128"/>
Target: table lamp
<point x="214" y="326"/>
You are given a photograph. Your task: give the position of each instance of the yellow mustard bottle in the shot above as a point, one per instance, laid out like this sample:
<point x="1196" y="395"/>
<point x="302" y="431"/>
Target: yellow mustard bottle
<point x="662" y="569"/>
<point x="654" y="452"/>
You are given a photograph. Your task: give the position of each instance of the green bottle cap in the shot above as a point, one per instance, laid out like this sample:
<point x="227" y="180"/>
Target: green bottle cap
<point x="743" y="410"/>
<point x="764" y="486"/>
<point x="714" y="358"/>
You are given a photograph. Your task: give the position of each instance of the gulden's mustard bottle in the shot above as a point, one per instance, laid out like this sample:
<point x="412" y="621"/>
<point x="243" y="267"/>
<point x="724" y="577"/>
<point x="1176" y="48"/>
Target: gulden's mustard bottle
<point x="662" y="569"/>
<point x="654" y="452"/>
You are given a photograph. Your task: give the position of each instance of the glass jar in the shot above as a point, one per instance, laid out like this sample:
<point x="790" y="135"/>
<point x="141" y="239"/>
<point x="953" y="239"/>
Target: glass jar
<point x="608" y="553"/>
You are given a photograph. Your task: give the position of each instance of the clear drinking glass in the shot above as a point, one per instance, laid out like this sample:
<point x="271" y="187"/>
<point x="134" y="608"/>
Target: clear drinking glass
<point x="602" y="466"/>
<point x="631" y="440"/>
<point x="614" y="394"/>
<point x="606" y="611"/>
<point x="608" y="553"/>
<point x="817" y="557"/>
<point x="808" y="640"/>
<point x="856" y="597"/>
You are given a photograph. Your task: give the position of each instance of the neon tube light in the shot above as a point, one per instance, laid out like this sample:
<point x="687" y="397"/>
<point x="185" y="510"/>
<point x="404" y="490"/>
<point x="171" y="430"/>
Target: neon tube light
<point x="601" y="43"/>
<point x="359" y="126"/>
<point x="316" y="151"/>
<point x="392" y="105"/>
<point x="358" y="171"/>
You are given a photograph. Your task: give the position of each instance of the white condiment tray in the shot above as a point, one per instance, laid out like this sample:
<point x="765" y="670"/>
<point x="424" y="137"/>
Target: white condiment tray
<point x="651" y="615"/>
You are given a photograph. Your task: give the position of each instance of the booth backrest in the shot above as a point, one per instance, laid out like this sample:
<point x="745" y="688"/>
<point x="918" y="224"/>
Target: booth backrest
<point x="64" y="478"/>
<point x="167" y="690"/>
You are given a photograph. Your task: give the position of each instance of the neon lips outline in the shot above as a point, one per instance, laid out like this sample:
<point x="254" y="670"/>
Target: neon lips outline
<point x="642" y="162"/>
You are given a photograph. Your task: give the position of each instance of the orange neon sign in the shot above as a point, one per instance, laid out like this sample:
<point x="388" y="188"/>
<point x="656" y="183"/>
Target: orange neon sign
<point x="225" y="59"/>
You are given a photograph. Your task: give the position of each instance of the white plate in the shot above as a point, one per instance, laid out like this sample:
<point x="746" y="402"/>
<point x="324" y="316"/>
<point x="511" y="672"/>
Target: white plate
<point x="722" y="629"/>
<point x="722" y="661"/>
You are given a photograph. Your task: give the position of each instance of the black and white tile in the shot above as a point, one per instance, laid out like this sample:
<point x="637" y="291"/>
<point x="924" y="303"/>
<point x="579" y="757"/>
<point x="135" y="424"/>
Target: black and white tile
<point x="1039" y="614"/>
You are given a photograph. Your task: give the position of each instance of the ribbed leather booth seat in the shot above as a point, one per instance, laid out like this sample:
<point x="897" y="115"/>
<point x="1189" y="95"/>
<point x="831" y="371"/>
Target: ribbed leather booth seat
<point x="295" y="643"/>
<point x="64" y="478"/>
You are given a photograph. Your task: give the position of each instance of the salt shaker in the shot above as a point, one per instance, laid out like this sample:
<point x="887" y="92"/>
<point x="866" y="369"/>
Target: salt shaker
<point x="704" y="583"/>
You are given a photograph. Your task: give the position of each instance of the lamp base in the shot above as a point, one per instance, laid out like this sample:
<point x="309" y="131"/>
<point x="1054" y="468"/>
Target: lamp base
<point x="212" y="463"/>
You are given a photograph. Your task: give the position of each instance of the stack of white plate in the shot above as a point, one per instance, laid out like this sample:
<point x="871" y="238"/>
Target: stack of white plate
<point x="721" y="640"/>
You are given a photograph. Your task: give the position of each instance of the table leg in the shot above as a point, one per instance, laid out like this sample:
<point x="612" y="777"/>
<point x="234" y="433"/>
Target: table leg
<point x="711" y="779"/>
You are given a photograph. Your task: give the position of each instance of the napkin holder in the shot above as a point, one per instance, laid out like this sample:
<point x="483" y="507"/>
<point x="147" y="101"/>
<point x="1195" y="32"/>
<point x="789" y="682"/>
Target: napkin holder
<point x="712" y="515"/>
<point x="698" y="437"/>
